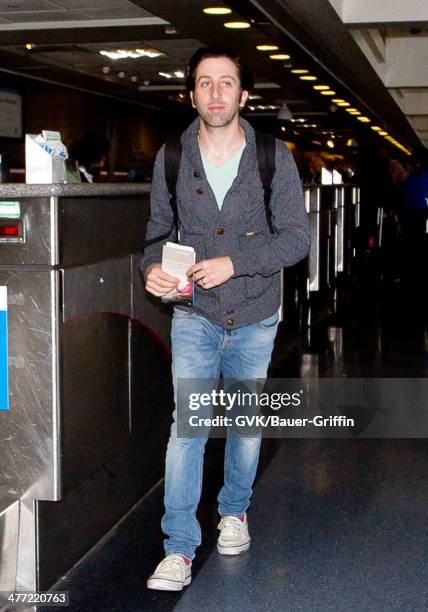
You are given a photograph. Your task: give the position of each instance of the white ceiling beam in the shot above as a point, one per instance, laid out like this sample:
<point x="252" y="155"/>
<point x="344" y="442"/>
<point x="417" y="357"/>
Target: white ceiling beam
<point x="381" y="12"/>
<point x="369" y="48"/>
<point x="376" y="42"/>
<point x="88" y="23"/>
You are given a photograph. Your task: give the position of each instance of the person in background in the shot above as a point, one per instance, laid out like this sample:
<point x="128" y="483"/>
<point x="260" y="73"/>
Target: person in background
<point x="91" y="153"/>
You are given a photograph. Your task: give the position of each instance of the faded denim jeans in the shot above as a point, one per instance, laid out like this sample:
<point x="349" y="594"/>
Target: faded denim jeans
<point x="201" y="349"/>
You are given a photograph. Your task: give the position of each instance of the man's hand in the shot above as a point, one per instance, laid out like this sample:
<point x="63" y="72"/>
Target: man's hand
<point x="159" y="283"/>
<point x="210" y="273"/>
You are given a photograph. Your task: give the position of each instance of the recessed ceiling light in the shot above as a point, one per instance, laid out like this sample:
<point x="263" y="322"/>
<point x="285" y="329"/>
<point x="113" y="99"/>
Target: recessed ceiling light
<point x="364" y="119"/>
<point x="166" y="75"/>
<point x="376" y="128"/>
<point x="254" y="97"/>
<point x="280" y="56"/>
<point x="337" y="100"/>
<point x="330" y="144"/>
<point x="179" y="74"/>
<point x="343" y="104"/>
<point x="308" y="77"/>
<point x="328" y="92"/>
<point x="321" y="87"/>
<point x="237" y="25"/>
<point x="28" y="46"/>
<point x="299" y="71"/>
<point x="217" y="10"/>
<point x="383" y="133"/>
<point x="105" y="69"/>
<point x="283" y="129"/>
<point x="267" y="47"/>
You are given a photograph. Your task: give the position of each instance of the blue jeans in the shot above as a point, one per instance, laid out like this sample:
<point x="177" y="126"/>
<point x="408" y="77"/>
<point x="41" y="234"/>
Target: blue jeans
<point x="201" y="349"/>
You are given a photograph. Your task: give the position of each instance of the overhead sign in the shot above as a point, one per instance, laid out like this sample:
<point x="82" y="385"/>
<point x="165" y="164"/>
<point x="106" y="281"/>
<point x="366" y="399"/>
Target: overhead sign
<point x="4" y="378"/>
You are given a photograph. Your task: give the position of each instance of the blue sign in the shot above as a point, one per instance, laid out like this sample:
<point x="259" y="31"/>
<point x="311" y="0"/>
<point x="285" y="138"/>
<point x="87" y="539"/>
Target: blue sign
<point x="4" y="378"/>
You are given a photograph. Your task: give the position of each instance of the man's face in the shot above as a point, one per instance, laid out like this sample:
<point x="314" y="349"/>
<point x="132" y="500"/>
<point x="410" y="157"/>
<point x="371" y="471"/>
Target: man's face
<point x="217" y="95"/>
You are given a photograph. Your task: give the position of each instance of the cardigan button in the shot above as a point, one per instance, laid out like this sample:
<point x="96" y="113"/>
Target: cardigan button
<point x="199" y="191"/>
<point x="230" y="322"/>
<point x="196" y="174"/>
<point x="220" y="231"/>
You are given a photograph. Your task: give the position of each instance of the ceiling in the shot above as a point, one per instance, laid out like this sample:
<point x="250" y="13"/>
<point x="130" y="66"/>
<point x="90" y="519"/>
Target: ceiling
<point x="372" y="54"/>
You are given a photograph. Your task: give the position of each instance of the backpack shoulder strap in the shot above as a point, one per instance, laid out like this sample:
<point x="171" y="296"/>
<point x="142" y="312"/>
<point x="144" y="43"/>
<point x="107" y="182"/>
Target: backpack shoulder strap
<point x="172" y="167"/>
<point x="266" y="161"/>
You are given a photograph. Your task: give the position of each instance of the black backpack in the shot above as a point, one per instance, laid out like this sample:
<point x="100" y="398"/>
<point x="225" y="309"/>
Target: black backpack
<point x="266" y="161"/>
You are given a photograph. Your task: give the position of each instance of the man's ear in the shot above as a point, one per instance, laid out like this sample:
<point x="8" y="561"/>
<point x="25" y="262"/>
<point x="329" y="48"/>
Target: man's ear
<point x="244" y="98"/>
<point x="191" y="99"/>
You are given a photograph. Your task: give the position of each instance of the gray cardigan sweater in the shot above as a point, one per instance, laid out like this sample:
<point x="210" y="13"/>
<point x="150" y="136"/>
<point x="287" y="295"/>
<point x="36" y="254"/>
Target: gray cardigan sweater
<point x="253" y="293"/>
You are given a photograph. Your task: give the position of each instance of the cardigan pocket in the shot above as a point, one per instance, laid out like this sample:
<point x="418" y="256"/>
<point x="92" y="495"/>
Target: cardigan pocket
<point x="255" y="285"/>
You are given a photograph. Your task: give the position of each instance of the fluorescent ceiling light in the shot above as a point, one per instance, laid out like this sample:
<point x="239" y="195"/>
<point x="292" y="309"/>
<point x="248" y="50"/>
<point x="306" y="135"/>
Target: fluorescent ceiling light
<point x="131" y="53"/>
<point x="299" y="71"/>
<point x="308" y="77"/>
<point x="328" y="92"/>
<point x="217" y="10"/>
<point x="280" y="56"/>
<point x="321" y="87"/>
<point x="364" y="119"/>
<point x="237" y="25"/>
<point x="267" y="48"/>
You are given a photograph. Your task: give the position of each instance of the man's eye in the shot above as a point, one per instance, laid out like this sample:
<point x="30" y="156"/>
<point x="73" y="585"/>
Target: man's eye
<point x="205" y="83"/>
<point x="227" y="83"/>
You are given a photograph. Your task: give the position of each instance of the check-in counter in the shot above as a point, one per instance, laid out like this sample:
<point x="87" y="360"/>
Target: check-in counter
<point x="84" y="433"/>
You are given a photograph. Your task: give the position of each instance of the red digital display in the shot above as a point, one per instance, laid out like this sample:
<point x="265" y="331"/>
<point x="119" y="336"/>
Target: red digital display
<point x="9" y="230"/>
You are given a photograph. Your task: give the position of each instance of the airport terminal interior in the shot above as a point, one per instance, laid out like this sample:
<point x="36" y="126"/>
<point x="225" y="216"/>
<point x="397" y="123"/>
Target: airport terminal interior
<point x="337" y="520"/>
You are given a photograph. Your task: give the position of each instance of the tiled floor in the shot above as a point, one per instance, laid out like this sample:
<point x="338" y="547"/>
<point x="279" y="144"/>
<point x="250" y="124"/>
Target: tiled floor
<point x="335" y="524"/>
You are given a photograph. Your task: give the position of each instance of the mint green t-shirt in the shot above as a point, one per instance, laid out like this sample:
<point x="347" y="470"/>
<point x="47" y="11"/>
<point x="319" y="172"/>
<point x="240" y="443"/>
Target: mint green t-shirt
<point x="221" y="177"/>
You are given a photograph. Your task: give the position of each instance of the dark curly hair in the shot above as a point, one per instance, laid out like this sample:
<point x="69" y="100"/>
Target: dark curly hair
<point x="245" y="75"/>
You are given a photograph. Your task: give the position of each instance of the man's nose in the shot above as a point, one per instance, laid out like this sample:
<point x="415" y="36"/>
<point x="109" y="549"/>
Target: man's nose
<point x="215" y="90"/>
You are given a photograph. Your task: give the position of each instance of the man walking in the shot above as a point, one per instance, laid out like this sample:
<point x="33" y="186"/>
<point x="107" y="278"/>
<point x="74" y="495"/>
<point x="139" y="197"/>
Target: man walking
<point x="231" y="328"/>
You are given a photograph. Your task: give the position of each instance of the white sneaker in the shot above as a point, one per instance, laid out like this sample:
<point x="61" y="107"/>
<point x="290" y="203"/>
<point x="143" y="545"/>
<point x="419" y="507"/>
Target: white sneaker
<point x="172" y="574"/>
<point x="234" y="537"/>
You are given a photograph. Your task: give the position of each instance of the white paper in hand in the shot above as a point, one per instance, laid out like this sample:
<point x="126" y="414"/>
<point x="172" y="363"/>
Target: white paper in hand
<point x="176" y="260"/>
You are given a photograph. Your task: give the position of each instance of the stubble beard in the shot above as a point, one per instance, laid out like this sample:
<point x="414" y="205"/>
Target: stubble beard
<point x="218" y="120"/>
